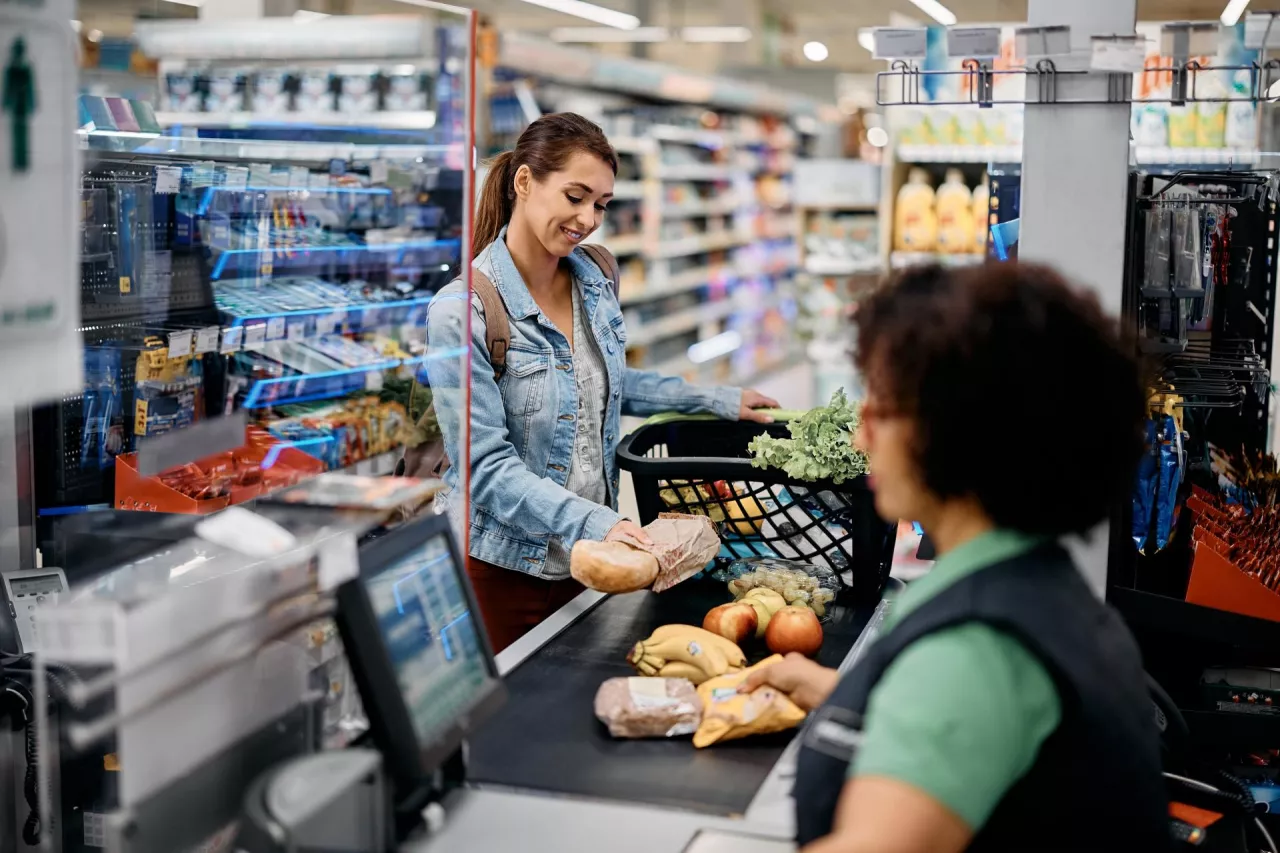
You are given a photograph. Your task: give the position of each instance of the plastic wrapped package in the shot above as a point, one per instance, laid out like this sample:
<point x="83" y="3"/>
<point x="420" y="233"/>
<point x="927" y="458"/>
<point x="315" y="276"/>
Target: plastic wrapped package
<point x="648" y="707"/>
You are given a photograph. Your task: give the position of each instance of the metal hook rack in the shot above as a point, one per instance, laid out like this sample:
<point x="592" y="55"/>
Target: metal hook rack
<point x="978" y="81"/>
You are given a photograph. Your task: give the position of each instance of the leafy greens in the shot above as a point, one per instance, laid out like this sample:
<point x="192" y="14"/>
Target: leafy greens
<point x="820" y="447"/>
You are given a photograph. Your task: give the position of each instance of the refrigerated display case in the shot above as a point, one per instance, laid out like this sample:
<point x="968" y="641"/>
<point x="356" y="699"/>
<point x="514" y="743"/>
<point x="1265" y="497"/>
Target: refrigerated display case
<point x="254" y="282"/>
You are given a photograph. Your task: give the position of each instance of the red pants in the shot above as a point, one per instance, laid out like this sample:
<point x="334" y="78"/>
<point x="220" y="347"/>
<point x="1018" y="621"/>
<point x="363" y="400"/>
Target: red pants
<point x="512" y="603"/>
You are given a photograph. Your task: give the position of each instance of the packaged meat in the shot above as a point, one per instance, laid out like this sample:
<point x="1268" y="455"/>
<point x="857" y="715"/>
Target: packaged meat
<point x="648" y="707"/>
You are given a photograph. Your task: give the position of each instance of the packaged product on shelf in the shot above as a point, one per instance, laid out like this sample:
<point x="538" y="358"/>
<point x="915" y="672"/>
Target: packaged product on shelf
<point x="1150" y="125"/>
<point x="226" y="92"/>
<point x="407" y="92"/>
<point x="915" y="223"/>
<point x="1211" y="118"/>
<point x="358" y="93"/>
<point x="969" y="127"/>
<point x="315" y="92"/>
<point x="270" y="92"/>
<point x="102" y="407"/>
<point x="1182" y="126"/>
<point x="182" y="92"/>
<point x="981" y="216"/>
<point x="954" y="206"/>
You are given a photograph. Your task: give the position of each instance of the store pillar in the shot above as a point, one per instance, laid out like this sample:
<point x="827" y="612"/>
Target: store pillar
<point x="1075" y="165"/>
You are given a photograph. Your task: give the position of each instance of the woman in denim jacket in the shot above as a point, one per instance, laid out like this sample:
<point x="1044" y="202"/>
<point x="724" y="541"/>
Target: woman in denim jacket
<point x="544" y="434"/>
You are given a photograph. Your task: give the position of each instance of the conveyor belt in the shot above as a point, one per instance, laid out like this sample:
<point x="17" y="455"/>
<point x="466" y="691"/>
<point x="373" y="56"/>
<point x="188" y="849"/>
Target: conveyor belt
<point x="546" y="737"/>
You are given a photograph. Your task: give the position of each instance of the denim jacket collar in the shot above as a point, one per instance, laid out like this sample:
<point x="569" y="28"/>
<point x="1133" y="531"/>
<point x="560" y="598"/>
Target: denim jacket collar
<point x="496" y="262"/>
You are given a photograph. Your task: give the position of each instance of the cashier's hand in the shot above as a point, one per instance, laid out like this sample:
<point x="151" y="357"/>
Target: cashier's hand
<point x="806" y="683"/>
<point x="627" y="531"/>
<point x="753" y="400"/>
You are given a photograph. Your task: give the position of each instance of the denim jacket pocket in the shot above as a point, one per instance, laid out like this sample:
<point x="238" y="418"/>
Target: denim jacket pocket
<point x="524" y="381"/>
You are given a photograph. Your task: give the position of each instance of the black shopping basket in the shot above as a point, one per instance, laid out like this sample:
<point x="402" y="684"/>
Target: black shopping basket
<point x="702" y="466"/>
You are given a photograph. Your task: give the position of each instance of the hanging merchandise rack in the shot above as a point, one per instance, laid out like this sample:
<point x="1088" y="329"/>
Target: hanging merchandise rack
<point x="979" y="84"/>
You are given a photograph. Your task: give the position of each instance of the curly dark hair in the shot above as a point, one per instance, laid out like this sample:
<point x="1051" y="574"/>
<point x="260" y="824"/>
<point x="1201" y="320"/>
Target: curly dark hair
<point x="1023" y="393"/>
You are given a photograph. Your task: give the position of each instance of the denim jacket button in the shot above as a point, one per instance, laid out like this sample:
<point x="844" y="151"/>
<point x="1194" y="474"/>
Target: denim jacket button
<point x="609" y="346"/>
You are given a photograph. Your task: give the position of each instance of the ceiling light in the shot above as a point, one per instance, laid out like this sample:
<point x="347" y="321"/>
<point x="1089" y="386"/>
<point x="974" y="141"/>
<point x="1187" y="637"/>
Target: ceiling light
<point x="867" y="39"/>
<point x="94" y="36"/>
<point x="815" y="51"/>
<point x="1231" y="14"/>
<point x="196" y="3"/>
<point x="877" y="136"/>
<point x="304" y="15"/>
<point x="937" y="11"/>
<point x="590" y="12"/>
<point x="721" y="35"/>
<point x="600" y="35"/>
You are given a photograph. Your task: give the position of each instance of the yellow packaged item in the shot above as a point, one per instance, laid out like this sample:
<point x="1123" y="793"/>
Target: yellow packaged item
<point x="729" y="715"/>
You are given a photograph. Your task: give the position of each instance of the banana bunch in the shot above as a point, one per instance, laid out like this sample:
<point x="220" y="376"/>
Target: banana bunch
<point x="685" y="651"/>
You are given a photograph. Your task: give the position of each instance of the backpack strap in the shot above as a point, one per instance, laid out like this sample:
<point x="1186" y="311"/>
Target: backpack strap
<point x="607" y="263"/>
<point x="497" y="325"/>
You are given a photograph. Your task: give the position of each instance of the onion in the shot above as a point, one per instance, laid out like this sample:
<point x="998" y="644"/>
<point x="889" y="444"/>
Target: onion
<point x="794" y="629"/>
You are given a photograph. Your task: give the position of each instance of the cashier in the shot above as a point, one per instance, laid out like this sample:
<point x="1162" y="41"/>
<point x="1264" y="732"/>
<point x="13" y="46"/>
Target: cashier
<point x="1004" y="706"/>
<point x="544" y="434"/>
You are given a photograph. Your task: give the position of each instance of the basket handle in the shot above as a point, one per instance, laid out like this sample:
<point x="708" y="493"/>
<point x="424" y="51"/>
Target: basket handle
<point x="672" y="417"/>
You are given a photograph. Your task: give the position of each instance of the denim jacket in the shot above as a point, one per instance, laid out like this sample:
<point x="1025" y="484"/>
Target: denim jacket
<point x="523" y="424"/>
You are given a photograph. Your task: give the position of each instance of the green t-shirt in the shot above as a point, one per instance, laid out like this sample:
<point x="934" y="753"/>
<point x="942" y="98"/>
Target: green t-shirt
<point x="961" y="713"/>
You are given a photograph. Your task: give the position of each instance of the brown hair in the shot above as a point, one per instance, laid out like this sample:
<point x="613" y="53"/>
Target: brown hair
<point x="1022" y="392"/>
<point x="545" y="146"/>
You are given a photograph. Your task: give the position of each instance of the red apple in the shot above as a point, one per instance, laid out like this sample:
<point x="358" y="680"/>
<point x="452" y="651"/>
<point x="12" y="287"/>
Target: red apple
<point x="735" y="621"/>
<point x="794" y="629"/>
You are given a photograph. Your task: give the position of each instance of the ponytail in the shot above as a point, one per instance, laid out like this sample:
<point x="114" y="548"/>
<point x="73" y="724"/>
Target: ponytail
<point x="497" y="201"/>
<point x="544" y="146"/>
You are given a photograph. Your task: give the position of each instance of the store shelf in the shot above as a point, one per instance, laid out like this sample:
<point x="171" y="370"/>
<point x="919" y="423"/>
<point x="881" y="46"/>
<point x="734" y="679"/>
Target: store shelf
<point x="959" y="153"/>
<point x="708" y="207"/>
<point x="1013" y="154"/>
<point x="302" y="192"/>
<point x="348" y="319"/>
<point x="628" y="190"/>
<point x="630" y="144"/>
<point x="681" y="322"/>
<point x="697" y="172"/>
<point x="622" y="245"/>
<point x="1231" y="729"/>
<point x="692" y="136"/>
<point x="376" y="466"/>
<point x="690" y="279"/>
<point x="900" y="260"/>
<point x="418" y="120"/>
<point x="326" y="385"/>
<point x="842" y="266"/>
<point x="1160" y="614"/>
<point x="286" y="256"/>
<point x="714" y="241"/>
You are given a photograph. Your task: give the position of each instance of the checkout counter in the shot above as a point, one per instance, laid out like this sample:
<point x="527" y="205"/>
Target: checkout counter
<point x="218" y="728"/>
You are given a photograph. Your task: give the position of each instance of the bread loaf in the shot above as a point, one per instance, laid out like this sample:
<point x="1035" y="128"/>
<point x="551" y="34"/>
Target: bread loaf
<point x="612" y="567"/>
<point x="648" y="707"/>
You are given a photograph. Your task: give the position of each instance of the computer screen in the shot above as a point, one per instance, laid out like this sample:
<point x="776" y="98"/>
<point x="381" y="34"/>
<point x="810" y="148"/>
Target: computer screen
<point x="431" y="636"/>
<point x="417" y="647"/>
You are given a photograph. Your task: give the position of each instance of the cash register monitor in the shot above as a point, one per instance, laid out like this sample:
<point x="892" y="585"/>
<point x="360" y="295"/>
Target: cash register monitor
<point x="417" y="648"/>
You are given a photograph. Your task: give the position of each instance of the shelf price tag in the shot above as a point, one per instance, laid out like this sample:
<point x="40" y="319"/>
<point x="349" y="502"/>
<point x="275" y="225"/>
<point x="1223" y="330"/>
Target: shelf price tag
<point x="236" y="177"/>
<point x="299" y="177"/>
<point x="373" y="381"/>
<point x="326" y="323"/>
<point x="378" y="172"/>
<point x="180" y="343"/>
<point x="168" y="179"/>
<point x="297" y="330"/>
<point x="206" y="339"/>
<point x="973" y="42"/>
<point x="255" y="335"/>
<point x="232" y="338"/>
<point x="275" y="328"/>
<point x="901" y="42"/>
<point x="1121" y="54"/>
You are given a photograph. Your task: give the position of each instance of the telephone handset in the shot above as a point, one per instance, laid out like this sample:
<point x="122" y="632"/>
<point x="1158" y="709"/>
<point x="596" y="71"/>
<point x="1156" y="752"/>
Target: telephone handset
<point x="1208" y="815"/>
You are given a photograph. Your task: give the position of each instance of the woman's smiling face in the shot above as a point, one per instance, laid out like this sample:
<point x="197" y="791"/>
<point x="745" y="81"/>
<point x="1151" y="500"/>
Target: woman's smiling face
<point x="568" y="205"/>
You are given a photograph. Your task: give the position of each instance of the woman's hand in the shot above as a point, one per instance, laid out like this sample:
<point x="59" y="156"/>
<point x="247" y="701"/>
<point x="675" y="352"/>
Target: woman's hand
<point x="628" y="532"/>
<point x="806" y="683"/>
<point x="753" y="400"/>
